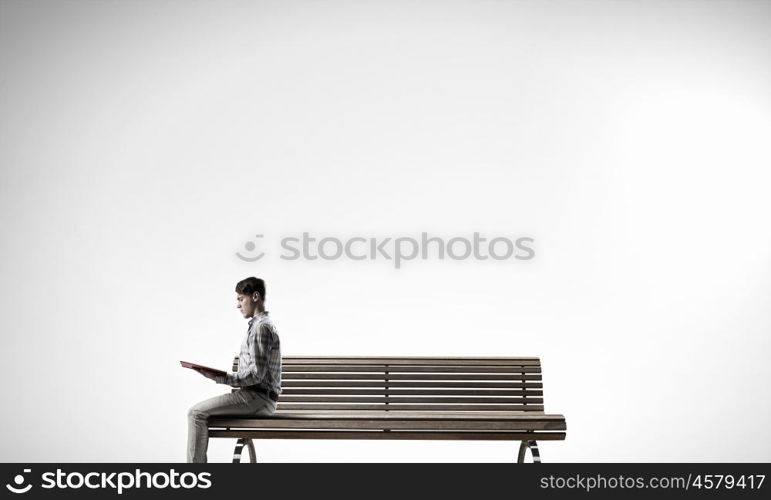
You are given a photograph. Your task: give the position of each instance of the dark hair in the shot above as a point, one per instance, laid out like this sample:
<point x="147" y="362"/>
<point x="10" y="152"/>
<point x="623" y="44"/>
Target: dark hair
<point x="251" y="285"/>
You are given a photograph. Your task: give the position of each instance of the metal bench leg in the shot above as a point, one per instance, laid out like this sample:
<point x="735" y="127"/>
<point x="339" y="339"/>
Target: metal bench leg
<point x="533" y="451"/>
<point x="240" y="446"/>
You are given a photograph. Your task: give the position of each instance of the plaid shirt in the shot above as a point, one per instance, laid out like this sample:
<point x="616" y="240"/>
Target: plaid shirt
<point x="259" y="362"/>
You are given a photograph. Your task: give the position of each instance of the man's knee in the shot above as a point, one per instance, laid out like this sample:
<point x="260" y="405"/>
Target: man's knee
<point x="195" y="414"/>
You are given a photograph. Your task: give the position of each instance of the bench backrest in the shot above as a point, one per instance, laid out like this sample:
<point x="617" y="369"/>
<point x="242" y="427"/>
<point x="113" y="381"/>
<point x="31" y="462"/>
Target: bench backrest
<point x="410" y="383"/>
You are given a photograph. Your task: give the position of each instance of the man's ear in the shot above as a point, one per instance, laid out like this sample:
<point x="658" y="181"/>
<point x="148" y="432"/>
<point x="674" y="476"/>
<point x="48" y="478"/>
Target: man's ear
<point x="255" y="297"/>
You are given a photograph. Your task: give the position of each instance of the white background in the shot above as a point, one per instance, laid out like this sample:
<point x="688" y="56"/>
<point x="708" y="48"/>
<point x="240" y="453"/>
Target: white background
<point x="143" y="143"/>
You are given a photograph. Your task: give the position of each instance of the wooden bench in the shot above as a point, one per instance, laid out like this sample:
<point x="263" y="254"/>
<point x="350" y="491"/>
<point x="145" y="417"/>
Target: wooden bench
<point x="402" y="398"/>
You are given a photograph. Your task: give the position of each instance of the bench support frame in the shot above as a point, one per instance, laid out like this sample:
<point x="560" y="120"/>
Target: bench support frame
<point x="240" y="446"/>
<point x="533" y="446"/>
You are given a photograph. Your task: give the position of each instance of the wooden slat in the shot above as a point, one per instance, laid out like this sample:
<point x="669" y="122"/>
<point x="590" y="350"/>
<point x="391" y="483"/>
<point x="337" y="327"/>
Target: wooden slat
<point x="380" y="358"/>
<point x="404" y="435"/>
<point x="406" y="407"/>
<point x="365" y="399"/>
<point x="413" y="392"/>
<point x="404" y="415"/>
<point x="407" y="376"/>
<point x="450" y="425"/>
<point x="429" y="369"/>
<point x="354" y="360"/>
<point x="390" y="383"/>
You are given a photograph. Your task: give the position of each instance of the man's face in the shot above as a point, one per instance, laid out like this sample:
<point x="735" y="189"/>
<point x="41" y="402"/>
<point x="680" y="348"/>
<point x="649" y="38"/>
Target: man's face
<point x="246" y="304"/>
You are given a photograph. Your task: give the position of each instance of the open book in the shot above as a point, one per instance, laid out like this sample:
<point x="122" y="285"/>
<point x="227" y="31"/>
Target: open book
<point x="187" y="364"/>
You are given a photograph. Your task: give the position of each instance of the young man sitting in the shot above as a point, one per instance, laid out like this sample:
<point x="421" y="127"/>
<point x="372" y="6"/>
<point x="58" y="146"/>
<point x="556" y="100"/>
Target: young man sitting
<point x="258" y="377"/>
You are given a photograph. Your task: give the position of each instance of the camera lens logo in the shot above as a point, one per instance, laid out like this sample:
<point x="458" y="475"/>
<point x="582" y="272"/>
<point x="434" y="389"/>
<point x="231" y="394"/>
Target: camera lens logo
<point x="19" y="480"/>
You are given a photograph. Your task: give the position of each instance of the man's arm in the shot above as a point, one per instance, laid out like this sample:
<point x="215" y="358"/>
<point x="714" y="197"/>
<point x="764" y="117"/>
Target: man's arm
<point x="259" y="345"/>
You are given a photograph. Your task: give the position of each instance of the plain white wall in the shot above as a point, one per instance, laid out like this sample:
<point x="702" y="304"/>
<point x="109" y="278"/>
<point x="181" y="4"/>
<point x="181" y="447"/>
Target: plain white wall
<point x="143" y="143"/>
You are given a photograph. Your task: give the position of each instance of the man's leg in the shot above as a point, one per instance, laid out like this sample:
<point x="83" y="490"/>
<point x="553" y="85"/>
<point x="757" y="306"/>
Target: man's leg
<point x="234" y="403"/>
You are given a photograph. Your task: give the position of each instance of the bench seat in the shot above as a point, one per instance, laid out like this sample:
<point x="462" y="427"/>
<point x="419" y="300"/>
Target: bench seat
<point x="482" y="423"/>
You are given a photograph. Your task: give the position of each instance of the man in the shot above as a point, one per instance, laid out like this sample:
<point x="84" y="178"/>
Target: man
<point x="258" y="377"/>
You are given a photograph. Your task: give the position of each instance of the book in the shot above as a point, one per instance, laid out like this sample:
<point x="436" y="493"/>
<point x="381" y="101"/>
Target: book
<point x="187" y="364"/>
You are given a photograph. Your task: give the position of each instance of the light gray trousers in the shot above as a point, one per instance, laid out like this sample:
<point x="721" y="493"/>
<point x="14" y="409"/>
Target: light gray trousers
<point x="241" y="402"/>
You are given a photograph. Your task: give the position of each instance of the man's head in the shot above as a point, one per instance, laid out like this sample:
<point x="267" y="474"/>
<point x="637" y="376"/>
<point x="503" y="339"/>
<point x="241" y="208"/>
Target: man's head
<point x="251" y="296"/>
